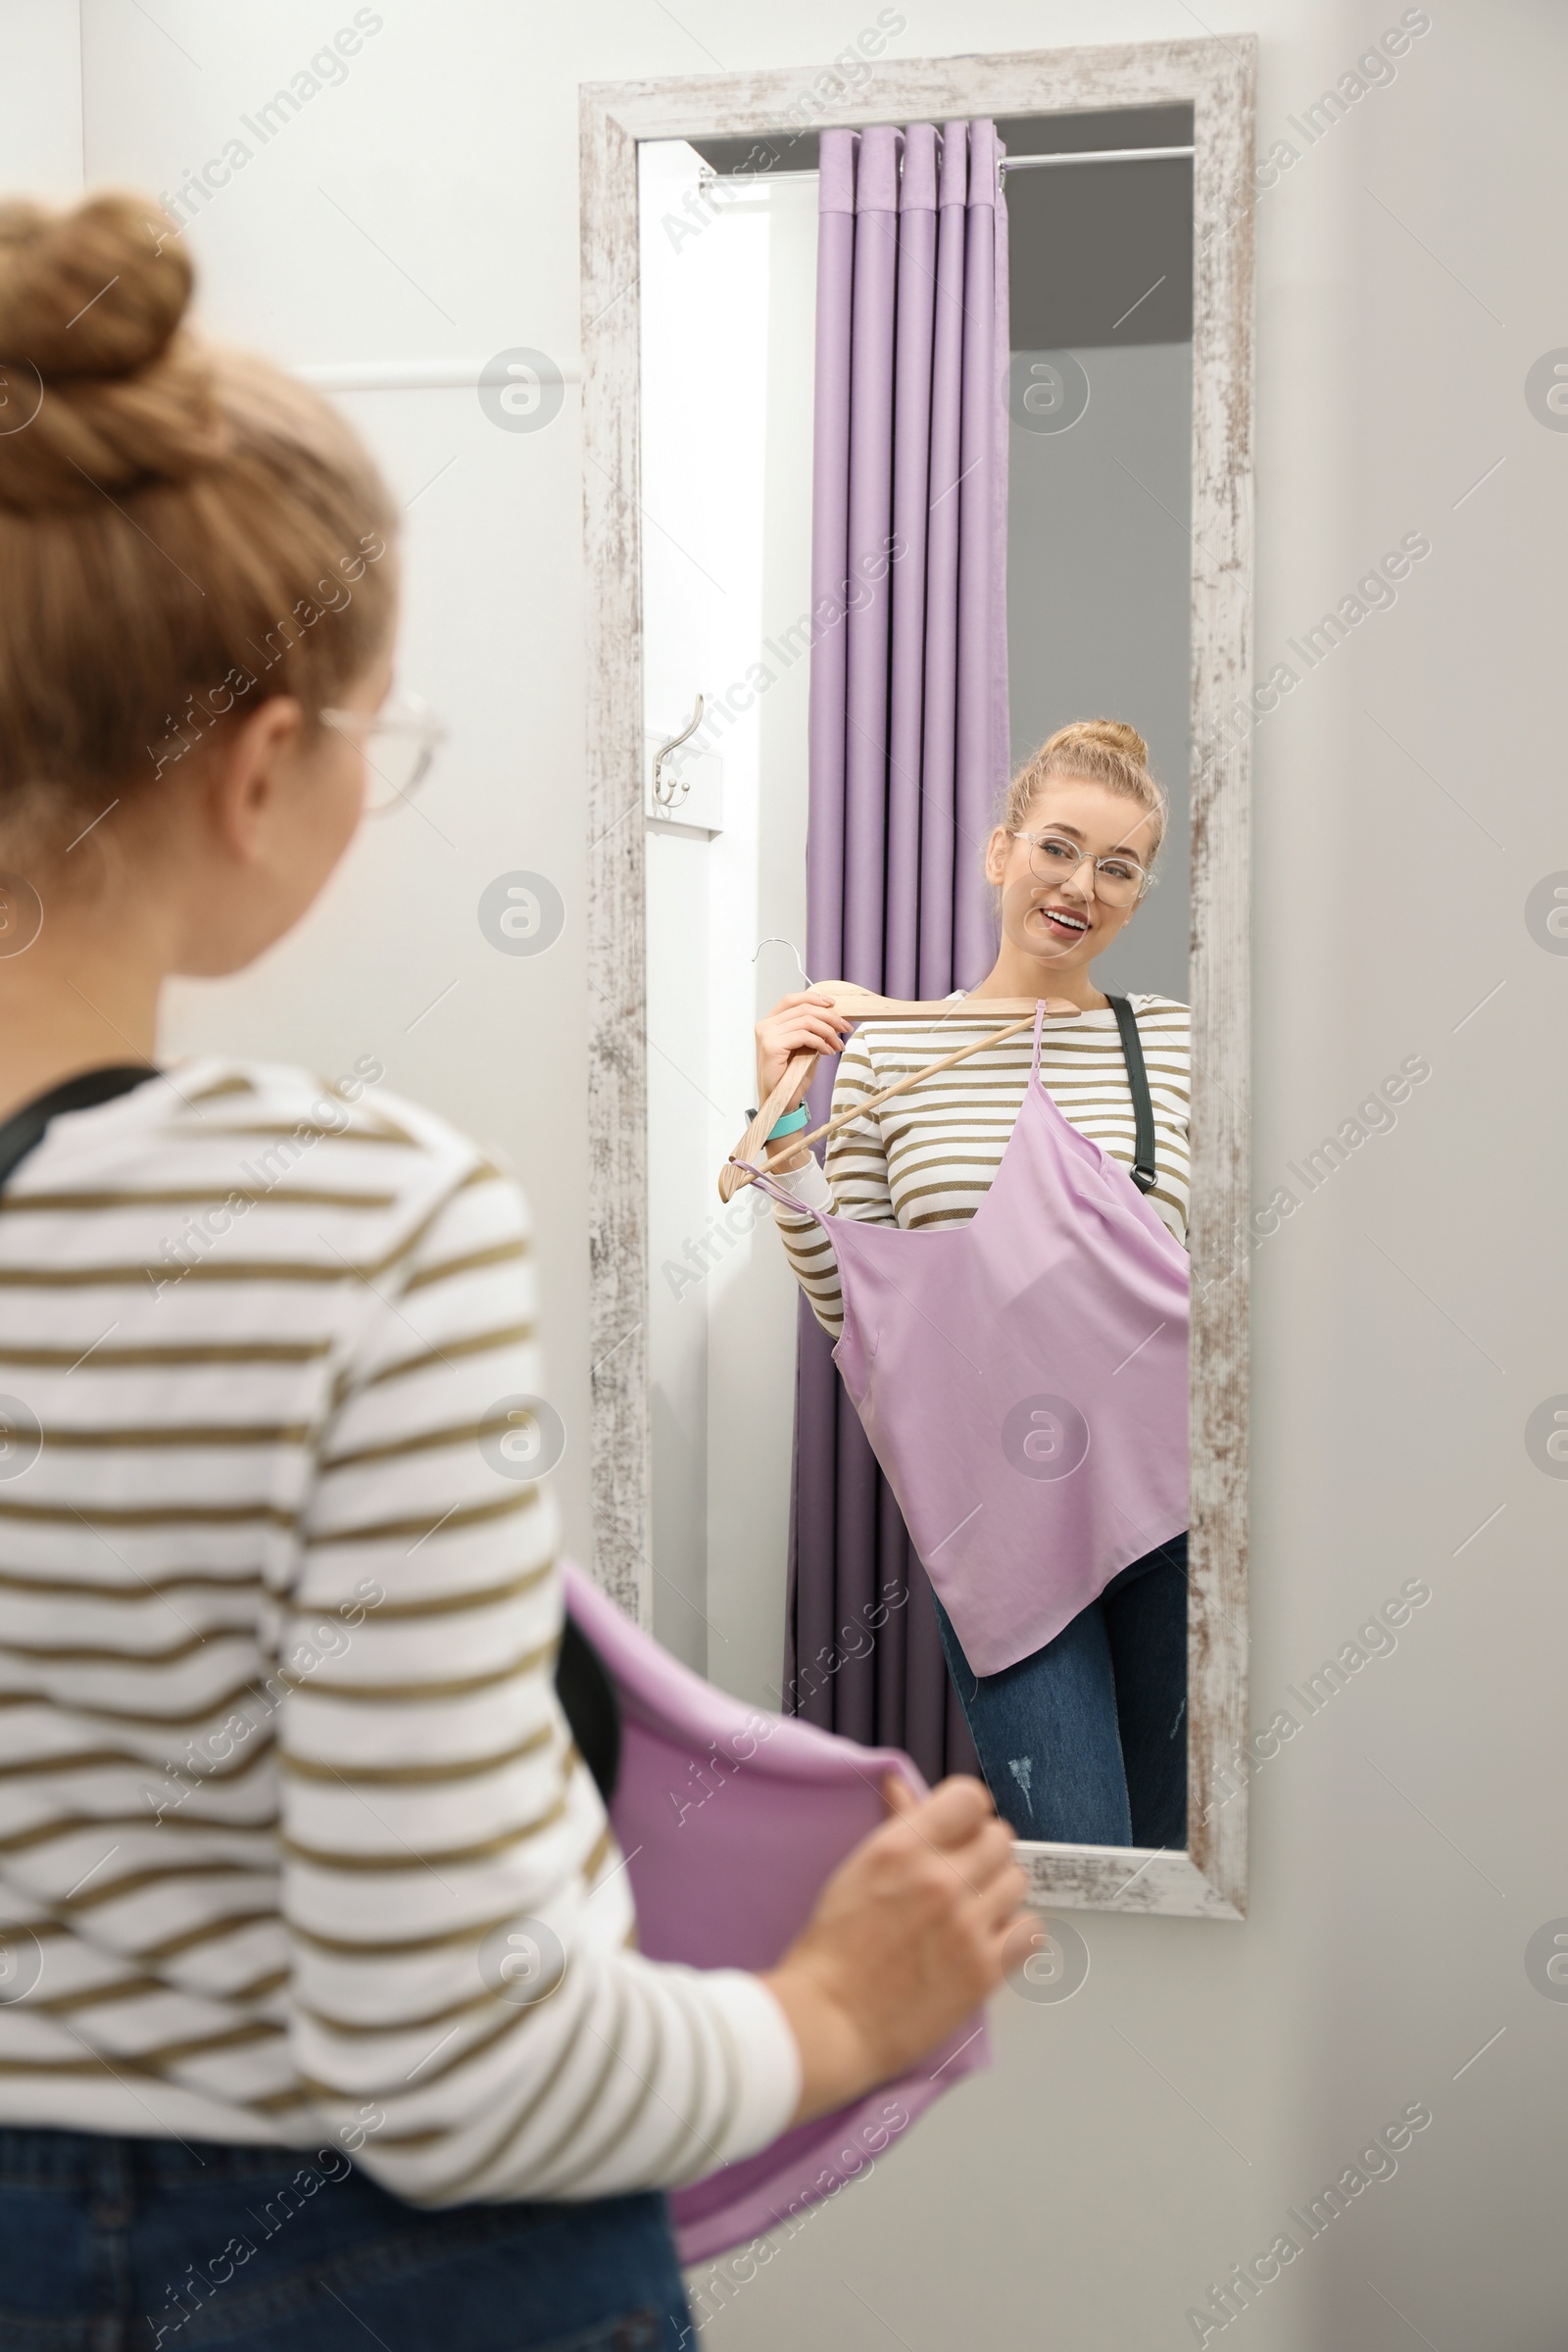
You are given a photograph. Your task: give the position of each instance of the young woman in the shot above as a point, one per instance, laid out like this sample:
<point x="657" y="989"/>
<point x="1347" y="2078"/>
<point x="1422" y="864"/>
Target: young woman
<point x="1085" y="1738"/>
<point x="283" y="1775"/>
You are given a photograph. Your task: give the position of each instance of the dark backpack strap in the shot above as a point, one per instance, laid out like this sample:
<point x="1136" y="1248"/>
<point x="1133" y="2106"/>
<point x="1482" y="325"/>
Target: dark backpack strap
<point x="1144" y="1167"/>
<point x="591" y="1705"/>
<point x="27" y="1126"/>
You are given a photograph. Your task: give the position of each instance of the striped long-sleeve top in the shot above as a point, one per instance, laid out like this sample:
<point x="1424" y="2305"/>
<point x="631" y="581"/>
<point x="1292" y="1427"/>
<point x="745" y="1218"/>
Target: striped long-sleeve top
<point x="927" y="1159"/>
<point x="292" y="1828"/>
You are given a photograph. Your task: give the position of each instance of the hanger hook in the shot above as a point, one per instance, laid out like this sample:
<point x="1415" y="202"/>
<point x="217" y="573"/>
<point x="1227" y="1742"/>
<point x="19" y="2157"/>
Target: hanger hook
<point x="776" y="939"/>
<point x="670" y="791"/>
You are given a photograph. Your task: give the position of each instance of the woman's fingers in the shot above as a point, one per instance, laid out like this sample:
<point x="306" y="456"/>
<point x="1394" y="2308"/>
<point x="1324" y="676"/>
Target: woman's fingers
<point x="777" y="1041"/>
<point x="985" y="1861"/>
<point x="773" y="1057"/>
<point x="821" y="1004"/>
<point x="787" y="1028"/>
<point x="802" y="1021"/>
<point x="798" y="1002"/>
<point x="811" y="1015"/>
<point x="955" y="1811"/>
<point x="912" y="1932"/>
<point x="957" y="1829"/>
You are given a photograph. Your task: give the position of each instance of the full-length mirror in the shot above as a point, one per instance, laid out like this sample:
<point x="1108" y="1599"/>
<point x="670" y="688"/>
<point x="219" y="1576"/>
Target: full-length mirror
<point x="918" y="463"/>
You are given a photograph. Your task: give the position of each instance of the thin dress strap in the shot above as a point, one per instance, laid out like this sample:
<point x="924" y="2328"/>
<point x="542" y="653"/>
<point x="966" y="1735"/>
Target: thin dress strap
<point x="1040" y="1022"/>
<point x="764" y="1182"/>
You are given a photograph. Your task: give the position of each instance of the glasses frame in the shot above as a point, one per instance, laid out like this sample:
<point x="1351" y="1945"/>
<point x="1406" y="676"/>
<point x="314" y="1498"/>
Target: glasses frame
<point x="401" y="715"/>
<point x="1088" y="857"/>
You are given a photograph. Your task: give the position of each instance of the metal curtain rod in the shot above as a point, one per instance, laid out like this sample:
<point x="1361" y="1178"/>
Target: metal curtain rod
<point x="707" y="177"/>
<point x="1097" y="154"/>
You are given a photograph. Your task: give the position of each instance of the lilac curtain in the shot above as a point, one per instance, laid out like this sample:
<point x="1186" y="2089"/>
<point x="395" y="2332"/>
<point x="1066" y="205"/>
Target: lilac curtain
<point x="908" y="749"/>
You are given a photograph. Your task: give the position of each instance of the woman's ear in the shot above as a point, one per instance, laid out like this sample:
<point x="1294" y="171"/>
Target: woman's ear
<point x="997" y="849"/>
<point x="243" y="789"/>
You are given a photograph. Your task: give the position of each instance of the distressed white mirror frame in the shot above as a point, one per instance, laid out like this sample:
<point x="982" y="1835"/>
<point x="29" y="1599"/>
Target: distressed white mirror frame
<point x="1217" y="78"/>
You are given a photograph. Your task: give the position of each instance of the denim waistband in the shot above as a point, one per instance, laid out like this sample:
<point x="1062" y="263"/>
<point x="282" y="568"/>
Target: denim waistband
<point x="37" y="2156"/>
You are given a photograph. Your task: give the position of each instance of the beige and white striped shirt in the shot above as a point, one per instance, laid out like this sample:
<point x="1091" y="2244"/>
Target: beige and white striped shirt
<point x="279" y="1743"/>
<point x="928" y="1157"/>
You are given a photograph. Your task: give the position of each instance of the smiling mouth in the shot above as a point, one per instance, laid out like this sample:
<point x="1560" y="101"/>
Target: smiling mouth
<point x="1068" y="925"/>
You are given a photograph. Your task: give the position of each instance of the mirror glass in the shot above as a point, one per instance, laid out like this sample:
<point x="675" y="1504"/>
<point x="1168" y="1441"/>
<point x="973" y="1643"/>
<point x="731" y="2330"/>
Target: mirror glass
<point x="1096" y="473"/>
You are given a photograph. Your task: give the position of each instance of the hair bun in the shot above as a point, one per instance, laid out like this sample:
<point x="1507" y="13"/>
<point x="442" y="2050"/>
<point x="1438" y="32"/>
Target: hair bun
<point x="1115" y="733"/>
<point x="91" y="343"/>
<point x="98" y="292"/>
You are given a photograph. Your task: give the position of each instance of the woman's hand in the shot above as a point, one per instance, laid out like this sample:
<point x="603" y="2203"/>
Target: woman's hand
<point x="912" y="1933"/>
<point x="801" y="1023"/>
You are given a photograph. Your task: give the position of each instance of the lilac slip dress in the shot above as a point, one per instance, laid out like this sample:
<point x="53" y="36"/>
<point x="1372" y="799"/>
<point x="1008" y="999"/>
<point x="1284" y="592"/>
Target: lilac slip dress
<point x="730" y="1819"/>
<point x="1024" y="1381"/>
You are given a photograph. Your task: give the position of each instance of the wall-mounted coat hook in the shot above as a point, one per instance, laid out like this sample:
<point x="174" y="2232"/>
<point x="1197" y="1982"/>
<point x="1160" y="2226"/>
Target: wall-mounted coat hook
<point x="669" y="791"/>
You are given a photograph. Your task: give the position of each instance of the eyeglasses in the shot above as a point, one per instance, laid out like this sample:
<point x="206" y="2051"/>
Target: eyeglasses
<point x="398" y="742"/>
<point x="1118" y="880"/>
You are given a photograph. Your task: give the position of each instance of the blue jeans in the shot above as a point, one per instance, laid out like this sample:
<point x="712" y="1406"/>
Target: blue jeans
<point x="124" y="2246"/>
<point x="1085" y="1740"/>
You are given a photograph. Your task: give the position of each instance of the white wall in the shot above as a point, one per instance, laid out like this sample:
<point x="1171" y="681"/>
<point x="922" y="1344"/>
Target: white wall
<point x="1133" y="2143"/>
<point x="40" y="98"/>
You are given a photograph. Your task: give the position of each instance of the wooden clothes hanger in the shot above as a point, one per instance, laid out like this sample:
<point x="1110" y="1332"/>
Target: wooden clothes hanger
<point x="1016" y="1012"/>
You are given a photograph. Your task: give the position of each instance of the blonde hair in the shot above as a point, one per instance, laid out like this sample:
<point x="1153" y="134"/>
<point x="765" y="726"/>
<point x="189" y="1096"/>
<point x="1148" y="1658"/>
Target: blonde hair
<point x="181" y="527"/>
<point x="1092" y="751"/>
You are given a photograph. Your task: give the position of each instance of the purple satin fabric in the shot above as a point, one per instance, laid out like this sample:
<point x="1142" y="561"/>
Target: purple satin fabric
<point x="1022" y="1380"/>
<point x="730" y="1819"/>
<point x="909" y="749"/>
